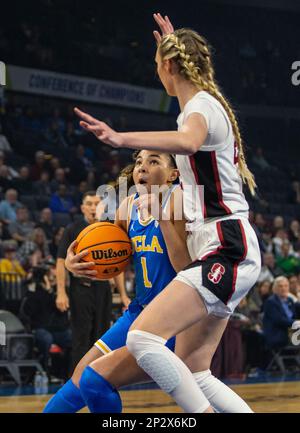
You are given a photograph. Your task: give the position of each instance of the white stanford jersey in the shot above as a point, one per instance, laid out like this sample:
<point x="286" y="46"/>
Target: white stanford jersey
<point x="214" y="166"/>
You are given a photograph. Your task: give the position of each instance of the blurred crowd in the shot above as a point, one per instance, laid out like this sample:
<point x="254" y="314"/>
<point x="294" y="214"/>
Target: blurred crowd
<point x="122" y="47"/>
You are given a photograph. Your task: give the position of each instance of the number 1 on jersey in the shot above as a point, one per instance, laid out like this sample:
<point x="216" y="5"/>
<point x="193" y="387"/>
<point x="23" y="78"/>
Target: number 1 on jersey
<point x="147" y="283"/>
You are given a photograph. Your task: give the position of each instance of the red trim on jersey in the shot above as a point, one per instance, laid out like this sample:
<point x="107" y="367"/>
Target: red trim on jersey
<point x="218" y="183"/>
<point x="235" y="266"/>
<point x="236" y="153"/>
<point x="193" y="165"/>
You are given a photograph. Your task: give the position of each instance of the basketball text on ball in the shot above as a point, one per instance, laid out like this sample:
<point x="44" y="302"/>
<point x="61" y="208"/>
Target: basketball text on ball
<point x="109" y="254"/>
<point x="108" y="246"/>
<point x="111" y="270"/>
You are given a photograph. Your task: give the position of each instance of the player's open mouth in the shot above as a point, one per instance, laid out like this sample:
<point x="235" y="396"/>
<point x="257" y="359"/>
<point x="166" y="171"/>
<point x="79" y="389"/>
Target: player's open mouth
<point x="142" y="182"/>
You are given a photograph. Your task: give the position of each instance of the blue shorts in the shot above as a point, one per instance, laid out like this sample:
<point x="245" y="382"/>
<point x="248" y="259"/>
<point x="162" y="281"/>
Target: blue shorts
<point x="116" y="336"/>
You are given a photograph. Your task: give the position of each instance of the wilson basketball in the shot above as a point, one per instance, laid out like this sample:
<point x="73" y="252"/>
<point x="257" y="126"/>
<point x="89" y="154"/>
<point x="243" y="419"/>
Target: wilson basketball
<point x="109" y="248"/>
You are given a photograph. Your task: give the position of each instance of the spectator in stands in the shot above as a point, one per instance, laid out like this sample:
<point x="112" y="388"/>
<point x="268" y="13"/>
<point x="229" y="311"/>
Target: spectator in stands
<point x="23" y="184"/>
<point x="4" y="143"/>
<point x="295" y="193"/>
<point x="251" y="328"/>
<point x="54" y="164"/>
<point x="39" y="166"/>
<point x="54" y="136"/>
<point x="46" y="222"/>
<point x="269" y="269"/>
<point x="294" y="288"/>
<point x="294" y="234"/>
<point x="42" y="189"/>
<point x="49" y="325"/>
<point x="288" y="260"/>
<point x="278" y="223"/>
<point x="4" y="234"/>
<point x="91" y="180"/>
<point x="258" y="297"/>
<point x="279" y="314"/>
<point x="259" y="160"/>
<point x="59" y="179"/>
<point x="53" y="246"/>
<point x="79" y="193"/>
<point x="6" y="182"/>
<point x="280" y="237"/>
<point x="61" y="201"/>
<point x="260" y="222"/>
<point x="58" y="119"/>
<point x="9" y="263"/>
<point x="12" y="173"/>
<point x="9" y="206"/>
<point x="34" y="250"/>
<point x="22" y="227"/>
<point x="70" y="136"/>
<point x="79" y="166"/>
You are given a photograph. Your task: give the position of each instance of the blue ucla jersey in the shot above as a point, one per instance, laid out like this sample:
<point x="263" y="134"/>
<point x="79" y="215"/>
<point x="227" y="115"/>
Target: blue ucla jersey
<point x="153" y="269"/>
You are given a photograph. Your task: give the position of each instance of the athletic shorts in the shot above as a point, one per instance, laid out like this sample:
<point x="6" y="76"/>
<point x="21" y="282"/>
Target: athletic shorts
<point x="116" y="336"/>
<point x="227" y="263"/>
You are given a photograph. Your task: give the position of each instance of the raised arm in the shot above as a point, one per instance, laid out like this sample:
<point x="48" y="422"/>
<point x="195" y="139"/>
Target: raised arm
<point x="187" y="141"/>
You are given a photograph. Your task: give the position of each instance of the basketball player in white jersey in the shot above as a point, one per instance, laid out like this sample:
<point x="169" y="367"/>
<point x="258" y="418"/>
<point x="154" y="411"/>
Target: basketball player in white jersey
<point x="208" y="147"/>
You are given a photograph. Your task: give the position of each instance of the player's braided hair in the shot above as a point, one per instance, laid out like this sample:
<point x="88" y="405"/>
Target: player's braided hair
<point x="191" y="53"/>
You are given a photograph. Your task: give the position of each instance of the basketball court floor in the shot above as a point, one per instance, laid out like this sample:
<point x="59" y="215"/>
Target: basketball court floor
<point x="276" y="395"/>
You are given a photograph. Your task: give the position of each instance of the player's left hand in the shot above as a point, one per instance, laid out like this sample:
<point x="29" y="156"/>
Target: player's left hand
<point x="100" y="129"/>
<point x="165" y="26"/>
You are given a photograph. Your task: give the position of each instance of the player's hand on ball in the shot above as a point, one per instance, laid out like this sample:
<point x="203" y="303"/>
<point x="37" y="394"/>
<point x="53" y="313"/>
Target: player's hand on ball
<point x="165" y="26"/>
<point x="100" y="129"/>
<point x="78" y="268"/>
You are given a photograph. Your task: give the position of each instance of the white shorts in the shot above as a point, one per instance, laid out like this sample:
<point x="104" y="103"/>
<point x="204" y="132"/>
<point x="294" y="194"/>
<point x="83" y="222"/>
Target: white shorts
<point x="226" y="265"/>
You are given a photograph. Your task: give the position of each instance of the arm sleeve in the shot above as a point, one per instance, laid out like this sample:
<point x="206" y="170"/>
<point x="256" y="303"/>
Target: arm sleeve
<point x="64" y="244"/>
<point x="218" y="124"/>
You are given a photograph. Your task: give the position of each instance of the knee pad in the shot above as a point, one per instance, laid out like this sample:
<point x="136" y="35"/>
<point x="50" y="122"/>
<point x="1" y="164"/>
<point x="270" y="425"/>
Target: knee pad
<point x="152" y="356"/>
<point x="98" y="393"/>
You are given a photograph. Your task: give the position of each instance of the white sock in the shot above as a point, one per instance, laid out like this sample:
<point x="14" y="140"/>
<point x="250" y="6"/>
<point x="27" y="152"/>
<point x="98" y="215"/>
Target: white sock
<point x="167" y="370"/>
<point x="220" y="396"/>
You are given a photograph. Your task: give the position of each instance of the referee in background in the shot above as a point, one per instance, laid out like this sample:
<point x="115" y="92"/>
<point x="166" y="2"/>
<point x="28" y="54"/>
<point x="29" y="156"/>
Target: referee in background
<point x="90" y="302"/>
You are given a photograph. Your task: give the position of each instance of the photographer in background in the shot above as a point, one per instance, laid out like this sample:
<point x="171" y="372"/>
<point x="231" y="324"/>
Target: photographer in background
<point x="49" y="325"/>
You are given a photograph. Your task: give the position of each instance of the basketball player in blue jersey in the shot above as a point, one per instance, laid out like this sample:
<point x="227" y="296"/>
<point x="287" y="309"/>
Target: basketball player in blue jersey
<point x="208" y="149"/>
<point x="159" y="252"/>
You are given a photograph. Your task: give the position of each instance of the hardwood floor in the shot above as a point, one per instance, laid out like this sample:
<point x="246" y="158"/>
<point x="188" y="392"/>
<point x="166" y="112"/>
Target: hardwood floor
<point x="266" y="397"/>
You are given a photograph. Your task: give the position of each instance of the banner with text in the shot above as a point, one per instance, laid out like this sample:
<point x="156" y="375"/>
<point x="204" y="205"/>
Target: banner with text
<point x="87" y="89"/>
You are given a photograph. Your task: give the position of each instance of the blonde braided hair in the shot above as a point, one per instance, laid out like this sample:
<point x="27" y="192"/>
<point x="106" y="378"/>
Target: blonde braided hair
<point x="191" y="54"/>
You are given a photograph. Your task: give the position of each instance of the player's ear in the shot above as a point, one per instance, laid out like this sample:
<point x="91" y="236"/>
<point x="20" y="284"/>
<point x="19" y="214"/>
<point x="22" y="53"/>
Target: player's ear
<point x="82" y="207"/>
<point x="171" y="67"/>
<point x="174" y="174"/>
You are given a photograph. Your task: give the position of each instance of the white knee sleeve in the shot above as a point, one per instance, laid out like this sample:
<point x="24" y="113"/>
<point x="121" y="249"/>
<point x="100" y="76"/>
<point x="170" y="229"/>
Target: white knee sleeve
<point x="167" y="370"/>
<point x="220" y="396"/>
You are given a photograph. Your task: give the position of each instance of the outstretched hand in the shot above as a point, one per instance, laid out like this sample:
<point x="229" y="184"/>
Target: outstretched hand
<point x="100" y="129"/>
<point x="165" y="26"/>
